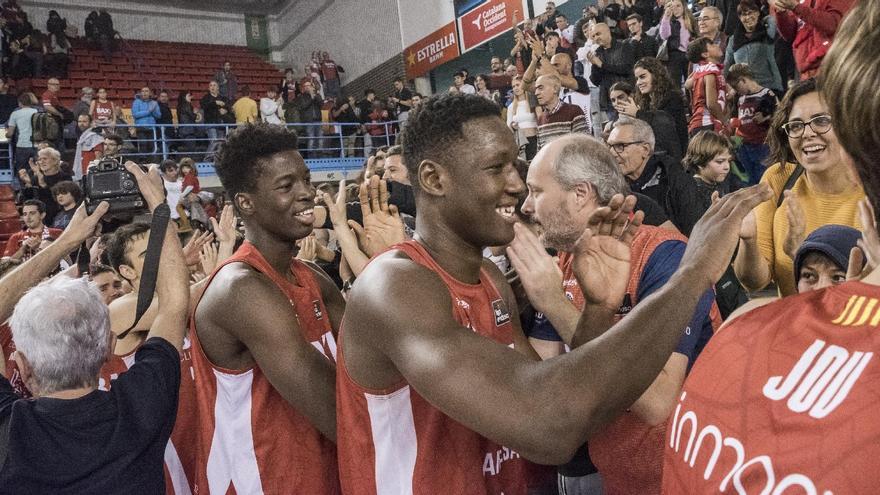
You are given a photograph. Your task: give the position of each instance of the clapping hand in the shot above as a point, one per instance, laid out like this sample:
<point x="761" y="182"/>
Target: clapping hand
<point x="538" y="271"/>
<point x="382" y="224"/>
<point x="308" y="249"/>
<point x="224" y="230"/>
<point x="715" y="236"/>
<point x="602" y="254"/>
<point x="194" y="247"/>
<point x="868" y="250"/>
<point x="796" y="225"/>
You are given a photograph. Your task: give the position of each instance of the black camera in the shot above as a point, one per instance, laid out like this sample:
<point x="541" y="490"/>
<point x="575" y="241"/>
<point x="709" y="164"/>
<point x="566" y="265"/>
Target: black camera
<point x="109" y="181"/>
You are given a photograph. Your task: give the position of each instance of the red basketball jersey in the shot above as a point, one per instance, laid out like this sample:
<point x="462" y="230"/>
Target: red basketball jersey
<point x="628" y="452"/>
<point x="252" y="441"/>
<point x="700" y="115"/>
<point x="784" y="400"/>
<point x="103" y="112"/>
<point x="394" y="441"/>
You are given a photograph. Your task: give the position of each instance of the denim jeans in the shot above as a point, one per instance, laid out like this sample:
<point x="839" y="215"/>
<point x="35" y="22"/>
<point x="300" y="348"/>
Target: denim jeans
<point x="751" y="158"/>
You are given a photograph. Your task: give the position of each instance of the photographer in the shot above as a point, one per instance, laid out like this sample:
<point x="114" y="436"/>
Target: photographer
<point x="74" y="438"/>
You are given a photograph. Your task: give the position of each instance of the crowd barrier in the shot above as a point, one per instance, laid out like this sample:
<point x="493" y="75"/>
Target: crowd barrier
<point x="332" y="151"/>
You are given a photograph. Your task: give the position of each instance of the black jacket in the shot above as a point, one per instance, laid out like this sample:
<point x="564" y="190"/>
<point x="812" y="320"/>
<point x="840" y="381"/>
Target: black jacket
<point x="309" y="107"/>
<point x="664" y="181"/>
<point x="665" y="135"/>
<point x="617" y="65"/>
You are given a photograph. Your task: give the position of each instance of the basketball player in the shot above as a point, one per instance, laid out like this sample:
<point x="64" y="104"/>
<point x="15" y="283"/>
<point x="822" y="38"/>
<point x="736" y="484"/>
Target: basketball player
<point x="431" y="397"/>
<point x="782" y="399"/>
<point x="263" y="333"/>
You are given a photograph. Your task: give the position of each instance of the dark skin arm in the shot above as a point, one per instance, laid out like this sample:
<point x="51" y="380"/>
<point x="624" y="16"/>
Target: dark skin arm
<point x="520" y="342"/>
<point x="266" y="333"/>
<point x="472" y="378"/>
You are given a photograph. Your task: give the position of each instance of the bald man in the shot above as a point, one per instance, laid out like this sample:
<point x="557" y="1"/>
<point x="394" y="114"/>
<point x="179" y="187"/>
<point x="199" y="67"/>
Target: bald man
<point x="559" y="118"/>
<point x="575" y="89"/>
<point x="612" y="61"/>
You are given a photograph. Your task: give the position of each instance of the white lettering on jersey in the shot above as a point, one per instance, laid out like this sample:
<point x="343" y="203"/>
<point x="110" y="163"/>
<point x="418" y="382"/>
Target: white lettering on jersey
<point x="759" y="467"/>
<point x="818" y="382"/>
<point x="493" y="460"/>
<point x="326" y="345"/>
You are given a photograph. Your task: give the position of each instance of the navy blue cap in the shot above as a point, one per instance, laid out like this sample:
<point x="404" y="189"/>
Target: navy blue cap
<point x="834" y="241"/>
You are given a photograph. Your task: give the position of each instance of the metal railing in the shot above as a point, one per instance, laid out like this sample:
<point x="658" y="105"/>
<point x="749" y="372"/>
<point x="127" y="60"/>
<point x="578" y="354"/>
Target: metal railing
<point x="325" y="146"/>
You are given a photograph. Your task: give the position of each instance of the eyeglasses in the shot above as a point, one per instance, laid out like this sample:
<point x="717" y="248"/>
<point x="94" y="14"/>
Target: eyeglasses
<point x="820" y="124"/>
<point x="621" y="147"/>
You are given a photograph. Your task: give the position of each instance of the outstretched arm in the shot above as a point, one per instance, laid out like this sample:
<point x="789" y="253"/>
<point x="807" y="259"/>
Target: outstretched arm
<point x="567" y="398"/>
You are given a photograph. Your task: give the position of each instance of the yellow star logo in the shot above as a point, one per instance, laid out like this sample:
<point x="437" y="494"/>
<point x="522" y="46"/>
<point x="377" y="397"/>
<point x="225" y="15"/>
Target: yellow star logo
<point x="411" y="58"/>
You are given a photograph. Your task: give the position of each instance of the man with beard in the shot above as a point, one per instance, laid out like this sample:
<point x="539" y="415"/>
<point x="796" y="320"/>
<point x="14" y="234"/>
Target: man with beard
<point x="429" y="391"/>
<point x="569" y="180"/>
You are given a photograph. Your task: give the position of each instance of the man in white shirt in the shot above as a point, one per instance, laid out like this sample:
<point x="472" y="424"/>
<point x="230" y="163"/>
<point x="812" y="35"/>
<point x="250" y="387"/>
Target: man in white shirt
<point x="270" y="107"/>
<point x="463" y="87"/>
<point x="174" y="191"/>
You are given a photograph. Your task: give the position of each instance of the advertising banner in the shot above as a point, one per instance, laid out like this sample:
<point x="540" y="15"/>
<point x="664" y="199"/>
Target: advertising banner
<point x="491" y="19"/>
<point x="437" y="48"/>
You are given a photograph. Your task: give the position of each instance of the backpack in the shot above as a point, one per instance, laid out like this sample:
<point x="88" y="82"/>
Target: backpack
<point x="45" y="127"/>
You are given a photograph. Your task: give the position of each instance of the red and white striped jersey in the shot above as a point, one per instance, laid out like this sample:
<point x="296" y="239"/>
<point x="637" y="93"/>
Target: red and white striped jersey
<point x="252" y="441"/>
<point x="394" y="441"/>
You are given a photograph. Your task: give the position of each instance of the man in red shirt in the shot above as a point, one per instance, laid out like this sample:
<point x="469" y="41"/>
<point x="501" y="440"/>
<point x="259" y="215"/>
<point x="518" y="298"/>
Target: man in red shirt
<point x="24" y="244"/>
<point x="781" y="400"/>
<point x="53" y="106"/>
<point x="330" y="75"/>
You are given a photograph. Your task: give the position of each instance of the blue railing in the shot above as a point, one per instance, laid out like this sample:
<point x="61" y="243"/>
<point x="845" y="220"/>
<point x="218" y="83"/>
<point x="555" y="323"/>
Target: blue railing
<point x="331" y="151"/>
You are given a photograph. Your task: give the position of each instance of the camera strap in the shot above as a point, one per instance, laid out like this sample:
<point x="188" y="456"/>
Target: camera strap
<point x="147" y="288"/>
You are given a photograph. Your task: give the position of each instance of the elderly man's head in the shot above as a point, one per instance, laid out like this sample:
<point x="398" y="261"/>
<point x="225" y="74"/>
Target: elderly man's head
<point x="62" y="336"/>
<point x="49" y="160"/>
<point x="601" y="35"/>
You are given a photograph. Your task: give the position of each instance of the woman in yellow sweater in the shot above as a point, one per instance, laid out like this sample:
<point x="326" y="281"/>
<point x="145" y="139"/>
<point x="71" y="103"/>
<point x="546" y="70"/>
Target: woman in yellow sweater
<point x="827" y="192"/>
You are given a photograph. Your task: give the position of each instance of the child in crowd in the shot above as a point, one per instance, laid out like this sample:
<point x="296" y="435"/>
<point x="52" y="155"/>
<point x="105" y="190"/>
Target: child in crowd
<point x="192" y="193"/>
<point x="707" y="101"/>
<point x="708" y="157"/>
<point x="756" y="105"/>
<point x="823" y="258"/>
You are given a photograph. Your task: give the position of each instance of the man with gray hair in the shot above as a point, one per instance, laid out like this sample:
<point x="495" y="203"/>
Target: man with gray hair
<point x="655" y="174"/>
<point x="73" y="437"/>
<point x="569" y="180"/>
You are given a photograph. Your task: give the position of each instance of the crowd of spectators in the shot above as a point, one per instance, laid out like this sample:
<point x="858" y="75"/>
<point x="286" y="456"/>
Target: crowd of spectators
<point x="616" y="190"/>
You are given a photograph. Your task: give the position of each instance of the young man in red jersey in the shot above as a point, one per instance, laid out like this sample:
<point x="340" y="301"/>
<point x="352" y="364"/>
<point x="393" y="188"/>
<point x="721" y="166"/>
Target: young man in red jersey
<point x="778" y="400"/>
<point x="264" y="333"/>
<point x="441" y="392"/>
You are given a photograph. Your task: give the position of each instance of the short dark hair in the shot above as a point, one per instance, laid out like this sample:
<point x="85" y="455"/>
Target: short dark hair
<point x="41" y="207"/>
<point x="635" y="17"/>
<point x="747" y="6"/>
<point x="168" y="165"/>
<point x="551" y="34"/>
<point x="458" y="74"/>
<point x="116" y="246"/>
<point x="96" y="269"/>
<point x="239" y="162"/>
<point x="418" y="94"/>
<point x="622" y="86"/>
<point x="558" y="15"/>
<point x="68" y="187"/>
<point x="696" y="49"/>
<point x="246" y="90"/>
<point x="86" y="115"/>
<point x="394" y="150"/>
<point x="400" y="80"/>
<point x="436" y="126"/>
<point x="116" y="138"/>
<point x="368" y="91"/>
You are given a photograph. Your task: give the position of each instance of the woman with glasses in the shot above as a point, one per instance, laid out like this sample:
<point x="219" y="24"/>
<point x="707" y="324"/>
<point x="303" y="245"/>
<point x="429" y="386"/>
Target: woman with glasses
<point x="752" y="44"/>
<point x="813" y="185"/>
